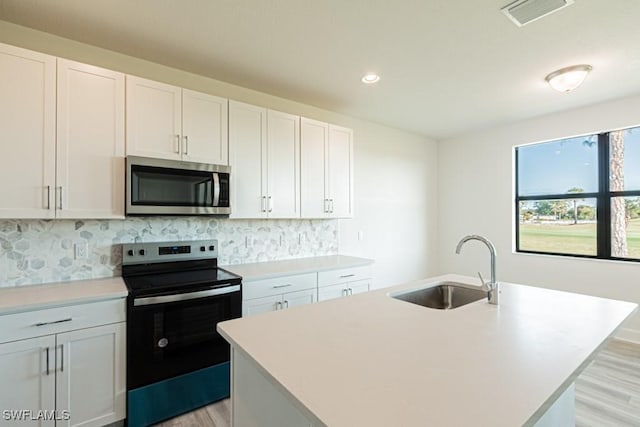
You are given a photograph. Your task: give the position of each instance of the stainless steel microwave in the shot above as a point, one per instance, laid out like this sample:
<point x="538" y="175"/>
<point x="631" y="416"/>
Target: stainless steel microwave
<point x="173" y="187"/>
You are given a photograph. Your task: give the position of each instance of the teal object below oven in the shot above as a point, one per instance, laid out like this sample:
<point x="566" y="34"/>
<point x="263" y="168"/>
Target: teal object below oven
<point x="166" y="399"/>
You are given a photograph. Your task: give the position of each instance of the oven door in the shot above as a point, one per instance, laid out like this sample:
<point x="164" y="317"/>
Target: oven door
<point x="170" y="335"/>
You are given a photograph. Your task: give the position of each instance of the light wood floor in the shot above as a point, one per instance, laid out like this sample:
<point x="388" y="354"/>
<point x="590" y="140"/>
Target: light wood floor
<point x="607" y="393"/>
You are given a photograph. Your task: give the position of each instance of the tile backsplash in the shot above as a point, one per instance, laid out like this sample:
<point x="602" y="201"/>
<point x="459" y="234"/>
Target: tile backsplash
<point x="41" y="251"/>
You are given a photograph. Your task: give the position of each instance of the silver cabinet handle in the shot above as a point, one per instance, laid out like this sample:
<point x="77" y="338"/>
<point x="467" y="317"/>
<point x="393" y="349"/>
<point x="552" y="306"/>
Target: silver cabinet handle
<point x="264" y="204"/>
<point x="61" y="357"/>
<point x="69" y="319"/>
<point x="269" y="204"/>
<point x="350" y="291"/>
<point x="287" y="303"/>
<point x="330" y="205"/>
<point x="345" y="292"/>
<point x="60" y="205"/>
<point x="47" y="360"/>
<point x="48" y="197"/>
<point x="186" y="145"/>
<point x="347" y="275"/>
<point x="177" y="144"/>
<point x="278" y="305"/>
<point x="326" y="205"/>
<point x="282" y="286"/>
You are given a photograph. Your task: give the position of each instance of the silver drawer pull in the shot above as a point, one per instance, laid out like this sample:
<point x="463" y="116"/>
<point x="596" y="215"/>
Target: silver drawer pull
<point x="54" y="322"/>
<point x="282" y="286"/>
<point x="347" y="275"/>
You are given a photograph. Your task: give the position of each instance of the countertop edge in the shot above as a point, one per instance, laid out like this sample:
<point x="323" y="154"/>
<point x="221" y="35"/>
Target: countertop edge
<point x="293" y="266"/>
<point x="49" y="295"/>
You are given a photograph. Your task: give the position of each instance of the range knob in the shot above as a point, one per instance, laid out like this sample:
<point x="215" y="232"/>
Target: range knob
<point x="211" y="248"/>
<point x="202" y="249"/>
<point x="141" y="252"/>
<point x="130" y="252"/>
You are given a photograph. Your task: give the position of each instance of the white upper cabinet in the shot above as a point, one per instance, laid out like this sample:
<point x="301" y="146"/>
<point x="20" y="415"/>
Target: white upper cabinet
<point x="168" y="122"/>
<point x="340" y="172"/>
<point x="204" y="128"/>
<point x="28" y="123"/>
<point x="264" y="157"/>
<point x="326" y="163"/>
<point x="154" y="119"/>
<point x="90" y="142"/>
<point x="283" y="165"/>
<point x="71" y="166"/>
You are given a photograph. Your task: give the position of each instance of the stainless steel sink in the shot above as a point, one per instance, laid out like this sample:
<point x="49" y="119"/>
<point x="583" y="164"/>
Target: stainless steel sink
<point x="446" y="296"/>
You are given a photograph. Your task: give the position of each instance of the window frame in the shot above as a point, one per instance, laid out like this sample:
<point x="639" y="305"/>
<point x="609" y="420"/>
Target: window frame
<point x="603" y="198"/>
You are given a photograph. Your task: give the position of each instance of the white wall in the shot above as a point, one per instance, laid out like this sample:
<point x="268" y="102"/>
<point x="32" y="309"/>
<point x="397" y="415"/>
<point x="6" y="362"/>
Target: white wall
<point x="476" y="197"/>
<point x="396" y="209"/>
<point x="395" y="171"/>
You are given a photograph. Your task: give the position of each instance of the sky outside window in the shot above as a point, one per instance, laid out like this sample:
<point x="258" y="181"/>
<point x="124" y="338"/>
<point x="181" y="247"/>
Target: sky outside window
<point x="555" y="167"/>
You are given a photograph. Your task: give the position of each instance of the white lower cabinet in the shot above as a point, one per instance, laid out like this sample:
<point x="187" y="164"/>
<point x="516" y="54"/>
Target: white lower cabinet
<point x="73" y="374"/>
<point x="262" y="296"/>
<point x="278" y="293"/>
<point x="343" y="282"/>
<point x="343" y="290"/>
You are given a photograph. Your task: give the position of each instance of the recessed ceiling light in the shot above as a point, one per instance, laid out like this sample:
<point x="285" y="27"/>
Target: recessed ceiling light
<point x="569" y="78"/>
<point x="370" y="78"/>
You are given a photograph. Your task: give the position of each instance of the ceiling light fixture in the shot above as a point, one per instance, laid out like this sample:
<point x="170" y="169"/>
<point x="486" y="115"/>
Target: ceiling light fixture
<point x="370" y="78"/>
<point x="568" y="78"/>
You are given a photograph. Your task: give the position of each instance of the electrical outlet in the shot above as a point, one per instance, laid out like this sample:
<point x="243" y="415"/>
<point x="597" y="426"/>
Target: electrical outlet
<point x="360" y="235"/>
<point x="81" y="250"/>
<point x="248" y="242"/>
<point x="301" y="238"/>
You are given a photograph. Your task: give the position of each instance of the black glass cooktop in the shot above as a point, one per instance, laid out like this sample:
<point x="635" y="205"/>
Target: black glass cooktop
<point x="180" y="281"/>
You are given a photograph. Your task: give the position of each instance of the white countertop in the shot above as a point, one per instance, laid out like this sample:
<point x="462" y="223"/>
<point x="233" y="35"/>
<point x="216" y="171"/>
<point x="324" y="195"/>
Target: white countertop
<point x="371" y="360"/>
<point x="265" y="270"/>
<point x="32" y="297"/>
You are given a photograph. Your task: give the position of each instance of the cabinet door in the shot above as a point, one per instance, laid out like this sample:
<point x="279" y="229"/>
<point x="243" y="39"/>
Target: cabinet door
<point x="358" y="287"/>
<point x="91" y="381"/>
<point x="313" y="141"/>
<point x="293" y="299"/>
<point x="340" y="171"/>
<point x="154" y="115"/>
<point x="332" y="291"/>
<point x="261" y="305"/>
<point x="26" y="384"/>
<point x="283" y="165"/>
<point x="90" y="143"/>
<point x="204" y="128"/>
<point x="28" y="123"/>
<point x="247" y="133"/>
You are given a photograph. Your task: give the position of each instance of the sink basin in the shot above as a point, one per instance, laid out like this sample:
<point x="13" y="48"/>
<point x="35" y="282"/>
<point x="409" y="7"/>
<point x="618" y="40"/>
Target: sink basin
<point x="446" y="296"/>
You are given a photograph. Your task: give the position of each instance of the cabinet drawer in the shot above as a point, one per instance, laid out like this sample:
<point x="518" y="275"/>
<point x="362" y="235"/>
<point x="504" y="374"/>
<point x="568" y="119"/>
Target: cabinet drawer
<point x="344" y="275"/>
<point x="278" y="285"/>
<point x="60" y="319"/>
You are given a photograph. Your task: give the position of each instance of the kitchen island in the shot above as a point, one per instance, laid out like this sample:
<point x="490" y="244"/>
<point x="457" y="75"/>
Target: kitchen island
<point x="373" y="360"/>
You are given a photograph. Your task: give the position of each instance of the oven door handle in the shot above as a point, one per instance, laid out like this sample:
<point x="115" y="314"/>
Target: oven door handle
<point x="184" y="297"/>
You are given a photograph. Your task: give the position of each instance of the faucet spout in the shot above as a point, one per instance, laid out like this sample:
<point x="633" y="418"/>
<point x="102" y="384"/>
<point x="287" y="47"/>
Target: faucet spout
<point x="492" y="286"/>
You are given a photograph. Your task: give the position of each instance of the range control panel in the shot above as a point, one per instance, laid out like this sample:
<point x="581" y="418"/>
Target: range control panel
<point x="143" y="253"/>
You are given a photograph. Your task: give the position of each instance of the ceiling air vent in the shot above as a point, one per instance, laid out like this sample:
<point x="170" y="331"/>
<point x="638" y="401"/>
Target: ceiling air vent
<point x="521" y="12"/>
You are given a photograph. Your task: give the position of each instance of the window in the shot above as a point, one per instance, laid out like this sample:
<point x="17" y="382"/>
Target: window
<point x="580" y="196"/>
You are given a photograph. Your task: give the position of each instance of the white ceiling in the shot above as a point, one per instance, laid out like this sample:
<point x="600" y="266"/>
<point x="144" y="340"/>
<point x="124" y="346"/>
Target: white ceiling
<point x="447" y="67"/>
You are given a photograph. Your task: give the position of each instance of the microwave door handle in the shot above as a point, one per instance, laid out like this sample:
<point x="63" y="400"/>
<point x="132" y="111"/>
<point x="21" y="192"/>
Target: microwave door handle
<point x="216" y="189"/>
<point x="163" y="299"/>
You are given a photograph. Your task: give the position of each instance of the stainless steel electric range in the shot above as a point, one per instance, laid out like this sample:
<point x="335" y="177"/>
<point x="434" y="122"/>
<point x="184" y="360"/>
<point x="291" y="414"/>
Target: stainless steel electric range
<point x="176" y="360"/>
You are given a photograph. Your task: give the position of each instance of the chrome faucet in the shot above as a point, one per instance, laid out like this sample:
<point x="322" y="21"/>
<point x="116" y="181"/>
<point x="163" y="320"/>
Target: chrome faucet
<point x="491" y="287"/>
